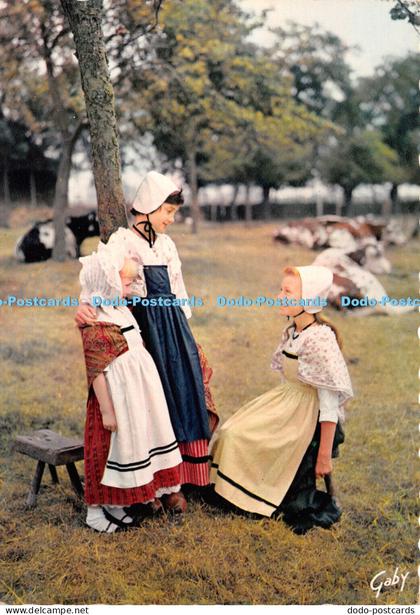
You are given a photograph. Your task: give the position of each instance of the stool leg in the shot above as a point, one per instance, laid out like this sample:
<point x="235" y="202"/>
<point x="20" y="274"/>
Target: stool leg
<point x="35" y="485"/>
<point x="54" y="475"/>
<point x="75" y="479"/>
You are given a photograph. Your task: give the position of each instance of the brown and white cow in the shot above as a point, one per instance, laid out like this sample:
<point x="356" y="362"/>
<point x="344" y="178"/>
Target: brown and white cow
<point x="355" y="281"/>
<point x="339" y="232"/>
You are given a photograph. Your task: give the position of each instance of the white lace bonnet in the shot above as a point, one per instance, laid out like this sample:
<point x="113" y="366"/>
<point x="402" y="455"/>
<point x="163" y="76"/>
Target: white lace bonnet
<point x="316" y="282"/>
<point x="152" y="192"/>
<point x="100" y="275"/>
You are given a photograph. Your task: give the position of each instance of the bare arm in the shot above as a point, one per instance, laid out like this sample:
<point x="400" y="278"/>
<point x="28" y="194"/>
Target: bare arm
<point x="105" y="402"/>
<point x="328" y="419"/>
<point x="324" y="462"/>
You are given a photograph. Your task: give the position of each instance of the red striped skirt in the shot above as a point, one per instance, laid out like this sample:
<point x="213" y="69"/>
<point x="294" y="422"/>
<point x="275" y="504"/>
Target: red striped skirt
<point x="97" y="441"/>
<point x="195" y="466"/>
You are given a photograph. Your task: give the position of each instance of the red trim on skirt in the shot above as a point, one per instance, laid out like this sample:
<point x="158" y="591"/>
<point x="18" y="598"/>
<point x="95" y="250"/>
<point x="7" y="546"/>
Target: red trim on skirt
<point x="97" y="441"/>
<point x="195" y="473"/>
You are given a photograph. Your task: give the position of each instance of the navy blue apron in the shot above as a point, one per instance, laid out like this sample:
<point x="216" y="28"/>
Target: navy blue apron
<point x="168" y="338"/>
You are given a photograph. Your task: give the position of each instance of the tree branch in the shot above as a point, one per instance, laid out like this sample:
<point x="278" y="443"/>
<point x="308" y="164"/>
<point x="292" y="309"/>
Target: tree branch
<point x="53" y="86"/>
<point x="57" y="37"/>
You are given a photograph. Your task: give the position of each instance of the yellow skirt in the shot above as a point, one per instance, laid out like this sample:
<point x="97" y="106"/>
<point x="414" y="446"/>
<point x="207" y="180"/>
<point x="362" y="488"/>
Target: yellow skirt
<point x="256" y="453"/>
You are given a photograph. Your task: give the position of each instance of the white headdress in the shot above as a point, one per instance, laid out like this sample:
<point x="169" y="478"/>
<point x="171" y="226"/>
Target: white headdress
<point x="100" y="275"/>
<point x="153" y="192"/>
<point x="316" y="282"/>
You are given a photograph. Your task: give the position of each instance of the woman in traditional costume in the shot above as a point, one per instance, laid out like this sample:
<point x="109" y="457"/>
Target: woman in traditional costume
<point x="267" y="456"/>
<point x="131" y="452"/>
<point x="181" y="363"/>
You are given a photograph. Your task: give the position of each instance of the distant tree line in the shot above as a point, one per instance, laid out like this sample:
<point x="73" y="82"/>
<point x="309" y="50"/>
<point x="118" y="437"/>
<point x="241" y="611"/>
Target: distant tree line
<point x="190" y="89"/>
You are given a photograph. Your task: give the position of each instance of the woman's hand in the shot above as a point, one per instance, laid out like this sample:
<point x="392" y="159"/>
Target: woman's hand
<point x="323" y="465"/>
<point x="85" y="315"/>
<point x="108" y="420"/>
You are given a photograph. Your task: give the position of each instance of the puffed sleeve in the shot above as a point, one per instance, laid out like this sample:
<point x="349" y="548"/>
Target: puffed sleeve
<point x="84" y="296"/>
<point x="122" y="239"/>
<point x="328" y="405"/>
<point x="175" y="275"/>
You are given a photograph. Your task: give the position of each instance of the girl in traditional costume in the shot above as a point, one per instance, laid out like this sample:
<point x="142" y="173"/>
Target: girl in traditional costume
<point x="181" y="363"/>
<point x="267" y="456"/>
<point x="131" y="452"/>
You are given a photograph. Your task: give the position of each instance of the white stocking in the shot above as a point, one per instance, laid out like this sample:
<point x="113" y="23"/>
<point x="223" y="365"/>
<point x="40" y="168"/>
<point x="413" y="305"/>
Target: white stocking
<point x="119" y="513"/>
<point x="96" y="520"/>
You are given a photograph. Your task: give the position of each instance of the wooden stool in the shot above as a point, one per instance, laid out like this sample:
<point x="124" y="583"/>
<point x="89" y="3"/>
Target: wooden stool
<point x="49" y="447"/>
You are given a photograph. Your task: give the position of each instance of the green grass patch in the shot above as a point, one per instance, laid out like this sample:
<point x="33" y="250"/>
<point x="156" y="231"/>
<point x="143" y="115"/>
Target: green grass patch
<point x="47" y="555"/>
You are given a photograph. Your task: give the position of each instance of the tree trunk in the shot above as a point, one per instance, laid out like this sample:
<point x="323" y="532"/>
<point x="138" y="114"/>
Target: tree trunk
<point x="6" y="200"/>
<point x="319" y="202"/>
<point x="393" y="195"/>
<point x="32" y="188"/>
<point x="234" y="211"/>
<point x="85" y="23"/>
<point x="68" y="140"/>
<point x="60" y="202"/>
<point x="347" y="201"/>
<point x="193" y="184"/>
<point x="338" y="197"/>
<point x="248" y="206"/>
<point x="266" y="203"/>
<point x="61" y="195"/>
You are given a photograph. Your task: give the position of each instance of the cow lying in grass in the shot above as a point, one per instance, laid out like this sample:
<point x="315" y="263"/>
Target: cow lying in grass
<point x="349" y="234"/>
<point x="353" y="279"/>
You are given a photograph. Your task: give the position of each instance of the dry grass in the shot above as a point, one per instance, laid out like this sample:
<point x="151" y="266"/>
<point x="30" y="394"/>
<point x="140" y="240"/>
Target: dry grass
<point x="48" y="556"/>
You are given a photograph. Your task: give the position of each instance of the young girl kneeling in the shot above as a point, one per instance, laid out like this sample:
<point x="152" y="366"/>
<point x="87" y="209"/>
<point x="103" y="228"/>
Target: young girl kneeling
<point x="267" y="456"/>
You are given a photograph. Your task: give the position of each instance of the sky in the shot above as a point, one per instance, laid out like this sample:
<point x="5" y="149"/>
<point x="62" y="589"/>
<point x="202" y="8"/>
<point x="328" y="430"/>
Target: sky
<point x="365" y="23"/>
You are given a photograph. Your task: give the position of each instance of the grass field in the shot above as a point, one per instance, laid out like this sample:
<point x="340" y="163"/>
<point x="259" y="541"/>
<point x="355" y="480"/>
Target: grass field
<point x="47" y="555"/>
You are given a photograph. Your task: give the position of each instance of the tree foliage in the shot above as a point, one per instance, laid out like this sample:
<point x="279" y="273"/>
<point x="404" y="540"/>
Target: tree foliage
<point x="214" y="101"/>
<point x="408" y="10"/>
<point x="359" y="158"/>
<point x="390" y="103"/>
<point x="41" y="85"/>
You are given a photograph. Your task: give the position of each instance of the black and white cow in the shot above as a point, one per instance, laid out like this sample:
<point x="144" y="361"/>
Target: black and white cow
<point x="83" y="226"/>
<point x="37" y="243"/>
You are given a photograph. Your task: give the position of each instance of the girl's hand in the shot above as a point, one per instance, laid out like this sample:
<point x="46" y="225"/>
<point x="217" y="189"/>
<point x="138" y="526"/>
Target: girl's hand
<point x="323" y="465"/>
<point x="85" y="315"/>
<point x="109" y="421"/>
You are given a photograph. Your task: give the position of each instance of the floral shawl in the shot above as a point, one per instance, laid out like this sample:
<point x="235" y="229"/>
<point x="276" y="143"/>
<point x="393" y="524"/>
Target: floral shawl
<point x="102" y="343"/>
<point x="320" y="362"/>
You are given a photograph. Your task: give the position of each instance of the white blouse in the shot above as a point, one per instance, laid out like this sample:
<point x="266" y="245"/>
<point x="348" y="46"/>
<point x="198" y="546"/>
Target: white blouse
<point x="328" y="400"/>
<point x="163" y="252"/>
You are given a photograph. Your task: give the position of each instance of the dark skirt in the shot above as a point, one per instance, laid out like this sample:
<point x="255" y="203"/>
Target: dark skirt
<point x="168" y="338"/>
<point x="304" y="506"/>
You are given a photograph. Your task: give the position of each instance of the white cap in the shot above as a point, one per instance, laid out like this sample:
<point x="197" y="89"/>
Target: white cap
<point x="316" y="282"/>
<point x="153" y="192"/>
